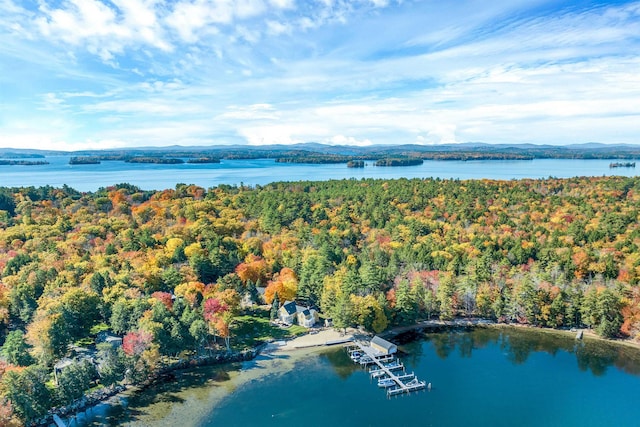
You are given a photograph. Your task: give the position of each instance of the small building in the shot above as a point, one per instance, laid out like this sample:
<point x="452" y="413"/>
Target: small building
<point x="383" y="346"/>
<point x="287" y="313"/>
<point x="307" y="317"/>
<point x="110" y="338"/>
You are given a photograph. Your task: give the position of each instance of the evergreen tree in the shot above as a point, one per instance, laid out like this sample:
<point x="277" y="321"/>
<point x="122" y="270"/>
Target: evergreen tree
<point x="28" y="392"/>
<point x="16" y="349"/>
<point x="274" y="307"/>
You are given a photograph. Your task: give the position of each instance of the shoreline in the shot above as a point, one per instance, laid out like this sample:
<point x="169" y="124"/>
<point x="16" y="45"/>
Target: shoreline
<point x="437" y="325"/>
<point x="273" y="359"/>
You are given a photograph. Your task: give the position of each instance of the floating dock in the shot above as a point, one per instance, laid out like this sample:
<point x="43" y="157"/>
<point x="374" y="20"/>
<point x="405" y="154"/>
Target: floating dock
<point x="386" y="369"/>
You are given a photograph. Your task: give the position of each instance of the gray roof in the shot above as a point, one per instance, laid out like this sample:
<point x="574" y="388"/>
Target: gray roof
<point x="382" y="343"/>
<point x="290" y="307"/>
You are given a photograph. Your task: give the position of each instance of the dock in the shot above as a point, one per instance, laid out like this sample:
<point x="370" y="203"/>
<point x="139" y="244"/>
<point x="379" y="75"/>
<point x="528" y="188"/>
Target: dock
<point x="58" y="421"/>
<point x="385" y="369"/>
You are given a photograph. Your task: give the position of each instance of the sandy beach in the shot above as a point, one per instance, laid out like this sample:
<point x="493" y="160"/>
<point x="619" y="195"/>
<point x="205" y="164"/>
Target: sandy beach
<point x="322" y="338"/>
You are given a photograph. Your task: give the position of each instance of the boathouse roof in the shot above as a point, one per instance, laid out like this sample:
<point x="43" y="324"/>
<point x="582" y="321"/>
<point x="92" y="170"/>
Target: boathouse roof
<point x="380" y="343"/>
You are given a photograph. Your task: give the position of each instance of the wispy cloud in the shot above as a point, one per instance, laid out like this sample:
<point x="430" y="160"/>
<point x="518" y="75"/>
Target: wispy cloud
<point x="79" y="73"/>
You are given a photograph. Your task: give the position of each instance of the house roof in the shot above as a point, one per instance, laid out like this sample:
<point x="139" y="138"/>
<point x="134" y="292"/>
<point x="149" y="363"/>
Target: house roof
<point x="105" y="336"/>
<point x="382" y="343"/>
<point x="290" y="307"/>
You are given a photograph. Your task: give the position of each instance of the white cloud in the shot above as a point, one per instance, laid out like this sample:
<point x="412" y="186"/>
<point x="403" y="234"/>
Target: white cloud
<point x="283" y="4"/>
<point x="105" y="31"/>
<point x="348" y="140"/>
<point x="277" y="28"/>
<point x="341" y="72"/>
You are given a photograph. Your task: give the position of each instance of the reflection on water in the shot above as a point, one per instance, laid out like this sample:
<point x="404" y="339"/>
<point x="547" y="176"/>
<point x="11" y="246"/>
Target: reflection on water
<point x="518" y="344"/>
<point x="487" y="367"/>
<point x="158" y="401"/>
<point x="342" y="365"/>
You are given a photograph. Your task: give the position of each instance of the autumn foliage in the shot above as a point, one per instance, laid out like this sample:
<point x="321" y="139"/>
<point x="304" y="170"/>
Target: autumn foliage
<point x="168" y="269"/>
<point x="285" y="284"/>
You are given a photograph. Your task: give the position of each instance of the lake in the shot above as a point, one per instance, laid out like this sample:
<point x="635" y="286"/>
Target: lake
<point x="486" y="377"/>
<point x="264" y="171"/>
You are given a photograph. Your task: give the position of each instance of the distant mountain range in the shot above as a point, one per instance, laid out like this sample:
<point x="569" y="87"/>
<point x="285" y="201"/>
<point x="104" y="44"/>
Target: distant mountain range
<point x="318" y="151"/>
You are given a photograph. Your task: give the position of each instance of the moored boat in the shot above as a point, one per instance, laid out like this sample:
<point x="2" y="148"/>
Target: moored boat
<point x="386" y="383"/>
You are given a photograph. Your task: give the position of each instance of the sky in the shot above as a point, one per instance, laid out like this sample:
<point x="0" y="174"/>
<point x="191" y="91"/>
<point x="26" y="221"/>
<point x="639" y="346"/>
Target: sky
<point x="87" y="74"/>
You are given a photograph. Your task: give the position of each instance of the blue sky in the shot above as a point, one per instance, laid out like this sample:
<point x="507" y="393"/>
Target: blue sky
<point x="78" y="74"/>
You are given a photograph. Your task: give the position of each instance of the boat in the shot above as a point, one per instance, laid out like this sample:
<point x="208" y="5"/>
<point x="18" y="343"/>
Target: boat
<point x="386" y="383"/>
<point x="414" y="383"/>
<point x="365" y="360"/>
<point x="378" y="374"/>
<point x="355" y="356"/>
<point x="394" y="365"/>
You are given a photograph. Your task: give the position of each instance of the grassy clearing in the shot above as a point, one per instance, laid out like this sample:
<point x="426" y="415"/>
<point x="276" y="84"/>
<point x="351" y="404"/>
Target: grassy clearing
<point x="254" y="328"/>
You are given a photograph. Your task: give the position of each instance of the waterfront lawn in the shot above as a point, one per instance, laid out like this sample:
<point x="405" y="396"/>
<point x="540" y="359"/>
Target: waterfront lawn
<point x="254" y="328"/>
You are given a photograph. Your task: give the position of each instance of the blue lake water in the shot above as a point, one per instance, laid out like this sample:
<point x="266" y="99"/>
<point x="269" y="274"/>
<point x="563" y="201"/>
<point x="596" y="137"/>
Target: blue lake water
<point x="487" y="377"/>
<point x="264" y="171"/>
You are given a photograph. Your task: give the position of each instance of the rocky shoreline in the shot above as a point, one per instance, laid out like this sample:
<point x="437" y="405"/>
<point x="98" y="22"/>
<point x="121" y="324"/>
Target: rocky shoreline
<point x="163" y="374"/>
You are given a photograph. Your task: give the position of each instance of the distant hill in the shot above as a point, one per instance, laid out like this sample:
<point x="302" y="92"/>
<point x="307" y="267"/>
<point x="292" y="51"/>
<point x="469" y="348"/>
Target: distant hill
<point x="318" y="152"/>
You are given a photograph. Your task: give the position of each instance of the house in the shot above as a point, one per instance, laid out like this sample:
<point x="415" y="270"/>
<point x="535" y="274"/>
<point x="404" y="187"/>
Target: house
<point x="110" y="338"/>
<point x="383" y="346"/>
<point x="307" y="317"/>
<point x="290" y="312"/>
<point x="287" y="313"/>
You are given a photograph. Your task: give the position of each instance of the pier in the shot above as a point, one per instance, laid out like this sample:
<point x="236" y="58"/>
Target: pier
<point x="387" y="373"/>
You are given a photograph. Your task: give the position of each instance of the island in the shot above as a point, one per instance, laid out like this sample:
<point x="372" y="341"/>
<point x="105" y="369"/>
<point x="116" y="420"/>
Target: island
<point x="355" y="164"/>
<point x="23" y="162"/>
<point x="622" y="165"/>
<point x="314" y="158"/>
<point x="84" y="161"/>
<point x="399" y="162"/>
<point x="200" y="160"/>
<point x="157" y="160"/>
<point x="20" y="155"/>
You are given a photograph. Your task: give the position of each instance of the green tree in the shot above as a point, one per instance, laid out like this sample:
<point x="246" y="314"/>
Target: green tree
<point x="312" y="273"/>
<point x="609" y="318"/>
<point x="113" y="364"/>
<point x="16" y="349"/>
<point x="445" y="294"/>
<point x="23" y="301"/>
<point x="27" y="392"/>
<point x="342" y="313"/>
<point x="406" y="307"/>
<point x="80" y="310"/>
<point x="199" y="332"/>
<point x="275" y="304"/>
<point x="74" y="380"/>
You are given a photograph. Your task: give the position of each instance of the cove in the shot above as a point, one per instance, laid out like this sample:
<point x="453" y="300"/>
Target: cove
<point x="487" y="376"/>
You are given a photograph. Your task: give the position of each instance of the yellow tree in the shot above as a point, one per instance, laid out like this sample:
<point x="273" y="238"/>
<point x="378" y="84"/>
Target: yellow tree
<point x="253" y="268"/>
<point x="285" y="284"/>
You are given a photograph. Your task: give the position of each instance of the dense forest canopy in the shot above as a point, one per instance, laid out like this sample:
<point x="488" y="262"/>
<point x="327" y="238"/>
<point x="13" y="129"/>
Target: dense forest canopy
<point x="170" y="270"/>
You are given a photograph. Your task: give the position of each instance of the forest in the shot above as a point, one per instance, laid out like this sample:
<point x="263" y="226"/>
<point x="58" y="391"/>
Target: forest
<point x="176" y="272"/>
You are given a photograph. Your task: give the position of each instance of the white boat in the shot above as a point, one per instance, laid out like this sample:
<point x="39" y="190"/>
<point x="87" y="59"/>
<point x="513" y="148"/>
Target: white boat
<point x="355" y="356"/>
<point x="415" y="383"/>
<point x="386" y="383"/>
<point x="378" y="374"/>
<point x="394" y="365"/>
